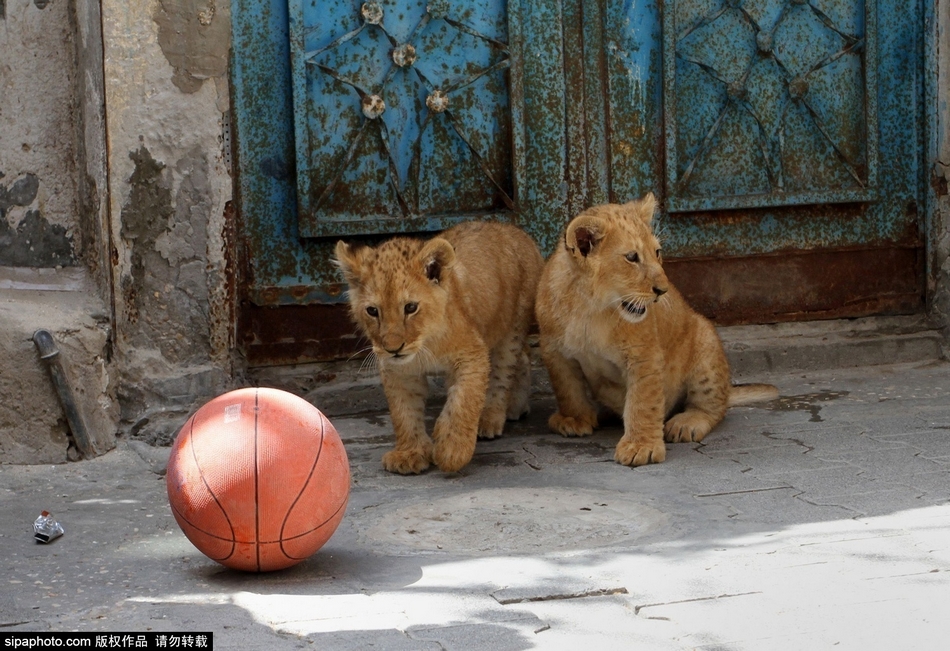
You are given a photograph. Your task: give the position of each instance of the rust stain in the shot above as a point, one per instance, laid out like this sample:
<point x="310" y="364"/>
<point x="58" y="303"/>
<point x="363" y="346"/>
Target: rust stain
<point x="805" y="285"/>
<point x="231" y="266"/>
<point x="295" y="334"/>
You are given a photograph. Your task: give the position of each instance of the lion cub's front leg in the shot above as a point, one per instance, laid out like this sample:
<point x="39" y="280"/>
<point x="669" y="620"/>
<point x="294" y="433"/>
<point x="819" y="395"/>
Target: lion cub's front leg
<point x="642" y="440"/>
<point x="575" y="415"/>
<point x="406" y="395"/>
<point x="456" y="428"/>
<point x="510" y="369"/>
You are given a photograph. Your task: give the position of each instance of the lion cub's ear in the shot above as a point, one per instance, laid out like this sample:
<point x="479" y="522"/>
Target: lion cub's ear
<point x="350" y="260"/>
<point x="584" y="233"/>
<point x="644" y="208"/>
<point x="436" y="257"/>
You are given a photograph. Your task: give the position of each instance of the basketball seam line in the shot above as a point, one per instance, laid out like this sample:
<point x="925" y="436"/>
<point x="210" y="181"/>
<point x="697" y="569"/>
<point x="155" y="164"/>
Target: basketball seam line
<point x="306" y="533"/>
<point x="283" y="525"/>
<point x="194" y="455"/>
<point x="234" y="543"/>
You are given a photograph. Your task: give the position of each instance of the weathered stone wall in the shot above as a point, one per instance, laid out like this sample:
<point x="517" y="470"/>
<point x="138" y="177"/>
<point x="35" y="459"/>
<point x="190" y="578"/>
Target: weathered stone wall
<point x="53" y="253"/>
<point x="39" y="195"/>
<point x="167" y="98"/>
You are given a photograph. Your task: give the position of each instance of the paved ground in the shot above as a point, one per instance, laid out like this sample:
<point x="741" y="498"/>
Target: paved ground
<point x="820" y="520"/>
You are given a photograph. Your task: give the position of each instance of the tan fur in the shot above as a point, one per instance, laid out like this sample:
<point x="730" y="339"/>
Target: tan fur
<point x="458" y="304"/>
<point x="615" y="332"/>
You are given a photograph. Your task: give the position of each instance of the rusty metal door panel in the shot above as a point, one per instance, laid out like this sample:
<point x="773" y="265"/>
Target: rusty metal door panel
<point x="448" y="166"/>
<point x="770" y="113"/>
<point x="769" y="103"/>
<point x="403" y="114"/>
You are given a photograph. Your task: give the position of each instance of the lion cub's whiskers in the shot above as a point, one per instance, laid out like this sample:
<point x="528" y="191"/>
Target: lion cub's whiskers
<point x="359" y="352"/>
<point x="370" y="362"/>
<point x="638" y="300"/>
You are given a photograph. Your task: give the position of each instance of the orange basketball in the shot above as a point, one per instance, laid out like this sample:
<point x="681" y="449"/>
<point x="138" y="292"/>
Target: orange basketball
<point x="258" y="479"/>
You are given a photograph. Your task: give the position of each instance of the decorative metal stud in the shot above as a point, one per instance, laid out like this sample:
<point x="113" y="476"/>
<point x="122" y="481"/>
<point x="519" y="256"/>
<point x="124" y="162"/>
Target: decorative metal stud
<point x="404" y="55"/>
<point x="437" y="101"/>
<point x="372" y="13"/>
<point x="797" y="88"/>
<point x="764" y="40"/>
<point x="373" y="106"/>
<point x="438" y="8"/>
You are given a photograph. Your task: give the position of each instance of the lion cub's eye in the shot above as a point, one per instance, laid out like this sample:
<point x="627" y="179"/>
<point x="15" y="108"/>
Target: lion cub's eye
<point x="659" y="252"/>
<point x="632" y="257"/>
<point x="411" y="308"/>
<point x="372" y="311"/>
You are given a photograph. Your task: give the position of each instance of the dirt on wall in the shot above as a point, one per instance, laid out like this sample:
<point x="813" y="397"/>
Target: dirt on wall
<point x="166" y="294"/>
<point x="195" y="36"/>
<point x="39" y="127"/>
<point x="32" y="241"/>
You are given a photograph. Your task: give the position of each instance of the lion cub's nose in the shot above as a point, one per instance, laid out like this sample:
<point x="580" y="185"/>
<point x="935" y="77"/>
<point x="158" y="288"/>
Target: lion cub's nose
<point x="397" y="350"/>
<point x="659" y="291"/>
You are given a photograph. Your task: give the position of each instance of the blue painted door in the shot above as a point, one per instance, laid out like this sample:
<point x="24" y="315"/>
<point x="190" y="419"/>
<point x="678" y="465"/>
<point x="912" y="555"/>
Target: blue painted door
<point x="782" y="136"/>
<point x="375" y="118"/>
<point x="403" y="114"/>
<point x="770" y="103"/>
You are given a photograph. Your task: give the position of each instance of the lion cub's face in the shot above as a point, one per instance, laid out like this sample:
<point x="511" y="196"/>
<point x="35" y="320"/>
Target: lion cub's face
<point x="395" y="294"/>
<point x="614" y="246"/>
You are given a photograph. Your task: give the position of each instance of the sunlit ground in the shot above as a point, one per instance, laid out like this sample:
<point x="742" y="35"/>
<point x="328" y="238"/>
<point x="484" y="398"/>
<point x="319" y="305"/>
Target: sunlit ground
<point x="875" y="583"/>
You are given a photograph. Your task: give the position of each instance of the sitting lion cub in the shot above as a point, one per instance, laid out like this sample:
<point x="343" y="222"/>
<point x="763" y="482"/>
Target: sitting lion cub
<point x="459" y="304"/>
<point x="615" y="330"/>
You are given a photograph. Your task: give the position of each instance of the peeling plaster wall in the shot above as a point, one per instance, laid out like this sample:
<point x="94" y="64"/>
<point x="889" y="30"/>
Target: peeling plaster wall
<point x="39" y="128"/>
<point x="167" y="99"/>
<point x="53" y="255"/>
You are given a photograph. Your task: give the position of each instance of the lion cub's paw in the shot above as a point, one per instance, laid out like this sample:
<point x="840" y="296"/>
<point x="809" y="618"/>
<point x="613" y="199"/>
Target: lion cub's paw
<point x="639" y="452"/>
<point x="491" y="425"/>
<point x="406" y="462"/>
<point x="517" y="412"/>
<point x="571" y="425"/>
<point x="453" y="454"/>
<point x="451" y="460"/>
<point x="686" y="427"/>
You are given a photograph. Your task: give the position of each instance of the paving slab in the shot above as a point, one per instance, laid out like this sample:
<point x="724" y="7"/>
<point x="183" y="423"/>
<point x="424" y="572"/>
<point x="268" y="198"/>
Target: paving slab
<point x="819" y="520"/>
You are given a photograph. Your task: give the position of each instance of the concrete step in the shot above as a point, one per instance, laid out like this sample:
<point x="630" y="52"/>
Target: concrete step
<point x="33" y="423"/>
<point x="819" y="345"/>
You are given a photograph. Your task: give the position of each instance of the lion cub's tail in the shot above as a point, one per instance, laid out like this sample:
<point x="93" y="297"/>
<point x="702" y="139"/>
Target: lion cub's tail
<point x="743" y="394"/>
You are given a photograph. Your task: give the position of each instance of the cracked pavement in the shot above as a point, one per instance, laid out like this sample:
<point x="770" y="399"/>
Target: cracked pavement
<point x="821" y="519"/>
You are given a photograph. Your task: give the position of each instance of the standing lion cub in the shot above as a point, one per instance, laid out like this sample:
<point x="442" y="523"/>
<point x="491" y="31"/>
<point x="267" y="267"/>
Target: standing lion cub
<point x="614" y="331"/>
<point x="459" y="304"/>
